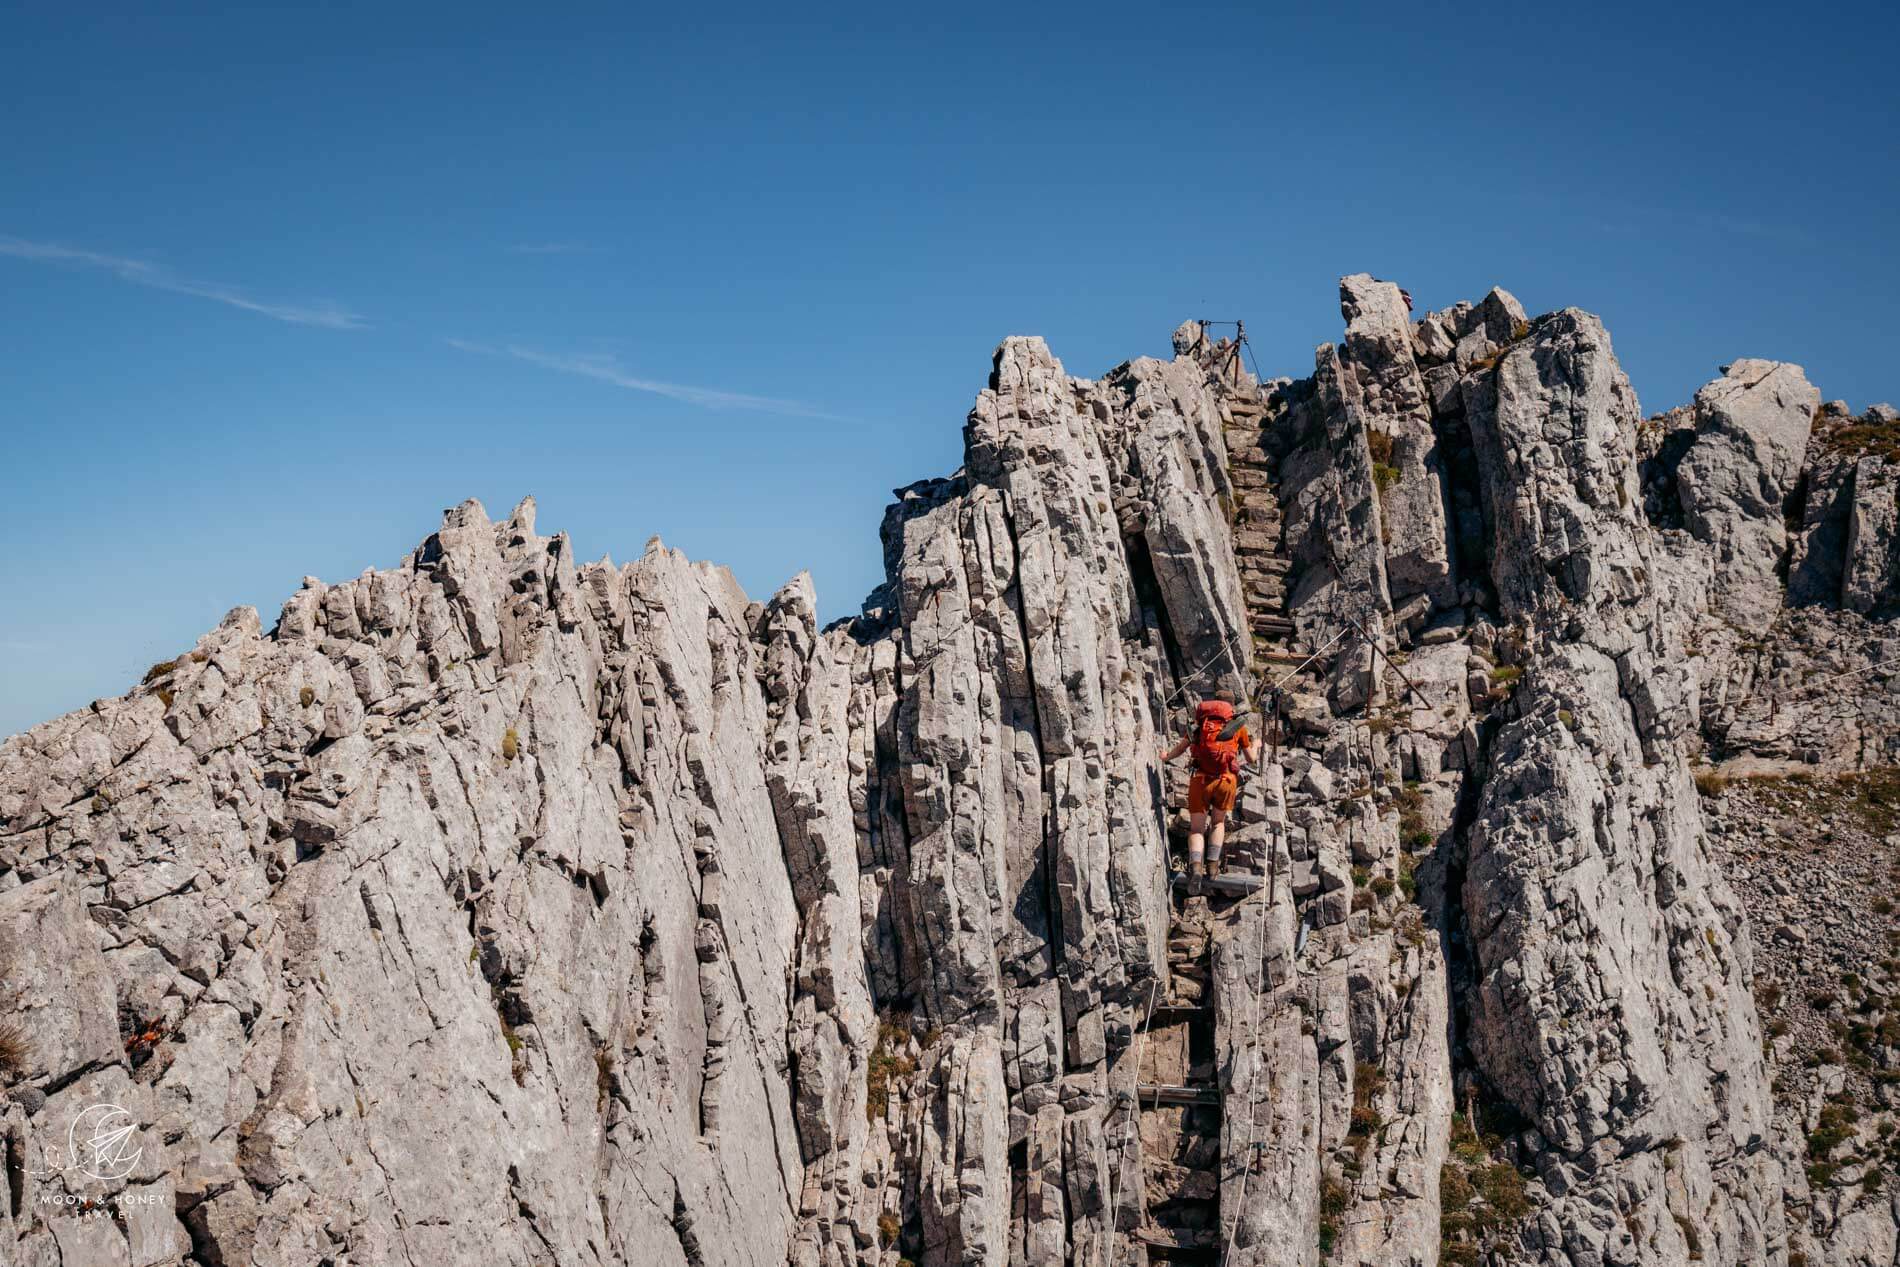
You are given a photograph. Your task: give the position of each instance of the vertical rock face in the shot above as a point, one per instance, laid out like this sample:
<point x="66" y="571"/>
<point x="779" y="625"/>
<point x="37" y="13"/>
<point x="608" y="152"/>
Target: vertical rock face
<point x="500" y="907"/>
<point x="1871" y="578"/>
<point x="1635" y="1054"/>
<point x="1040" y="602"/>
<point x="1846" y="550"/>
<point x="1389" y="392"/>
<point x="1751" y="432"/>
<point x="807" y="679"/>
<point x="1334" y="524"/>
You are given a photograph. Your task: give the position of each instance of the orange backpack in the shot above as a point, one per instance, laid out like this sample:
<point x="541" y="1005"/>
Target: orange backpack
<point x="1215" y="756"/>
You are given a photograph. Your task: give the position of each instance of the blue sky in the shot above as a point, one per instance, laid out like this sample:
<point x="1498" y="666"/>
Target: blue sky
<point x="276" y="289"/>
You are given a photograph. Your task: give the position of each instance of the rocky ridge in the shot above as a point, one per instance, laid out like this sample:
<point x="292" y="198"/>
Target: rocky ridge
<point x="501" y="907"/>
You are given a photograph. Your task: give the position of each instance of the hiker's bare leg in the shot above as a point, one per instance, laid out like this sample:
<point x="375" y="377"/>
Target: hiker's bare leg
<point x="1197" y="841"/>
<point x="1216" y="838"/>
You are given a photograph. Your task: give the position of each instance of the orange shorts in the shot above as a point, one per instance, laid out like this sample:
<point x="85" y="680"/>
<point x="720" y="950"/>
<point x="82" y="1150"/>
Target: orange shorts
<point x="1216" y="794"/>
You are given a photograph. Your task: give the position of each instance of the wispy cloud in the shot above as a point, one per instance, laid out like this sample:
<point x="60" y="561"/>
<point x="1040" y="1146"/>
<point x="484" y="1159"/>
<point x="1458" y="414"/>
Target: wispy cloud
<point x="607" y="370"/>
<point x="601" y="367"/>
<point x="143" y="273"/>
<point x="552" y="248"/>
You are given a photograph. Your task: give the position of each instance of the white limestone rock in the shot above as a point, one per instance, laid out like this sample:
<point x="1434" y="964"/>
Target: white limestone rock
<point x="1612" y="1006"/>
<point x="495" y="906"/>
<point x="1751" y="431"/>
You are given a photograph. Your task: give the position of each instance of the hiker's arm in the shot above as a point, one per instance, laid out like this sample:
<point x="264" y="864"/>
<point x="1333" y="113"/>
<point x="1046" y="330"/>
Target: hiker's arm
<point x="1177" y="750"/>
<point x="1250" y="751"/>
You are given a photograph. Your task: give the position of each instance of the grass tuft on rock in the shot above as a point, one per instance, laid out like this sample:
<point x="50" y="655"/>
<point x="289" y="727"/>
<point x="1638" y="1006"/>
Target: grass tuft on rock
<point x="889" y="1060"/>
<point x="1483" y="1200"/>
<point x="16" y="1051"/>
<point x="1867" y="438"/>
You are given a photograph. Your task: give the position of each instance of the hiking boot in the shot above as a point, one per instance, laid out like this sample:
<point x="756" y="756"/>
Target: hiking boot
<point x="1213" y="866"/>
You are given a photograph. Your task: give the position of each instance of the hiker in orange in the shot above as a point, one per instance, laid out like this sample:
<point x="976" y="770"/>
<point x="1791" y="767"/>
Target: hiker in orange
<point x="1221" y="745"/>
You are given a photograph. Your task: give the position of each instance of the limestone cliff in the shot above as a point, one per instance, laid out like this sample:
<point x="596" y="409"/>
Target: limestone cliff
<point x="502" y="908"/>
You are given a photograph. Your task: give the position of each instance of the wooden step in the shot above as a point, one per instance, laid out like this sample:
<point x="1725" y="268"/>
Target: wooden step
<point x="1177" y="1237"/>
<point x="1233" y="884"/>
<point x="1271" y="625"/>
<point x="1154" y="1094"/>
<point x="1179" y="1013"/>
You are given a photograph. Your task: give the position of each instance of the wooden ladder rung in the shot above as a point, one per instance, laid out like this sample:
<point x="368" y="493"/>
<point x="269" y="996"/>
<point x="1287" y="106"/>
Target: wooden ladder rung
<point x="1177" y="1237"/>
<point x="1155" y="1093"/>
<point x="1237" y="884"/>
<point x="1175" y="1013"/>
